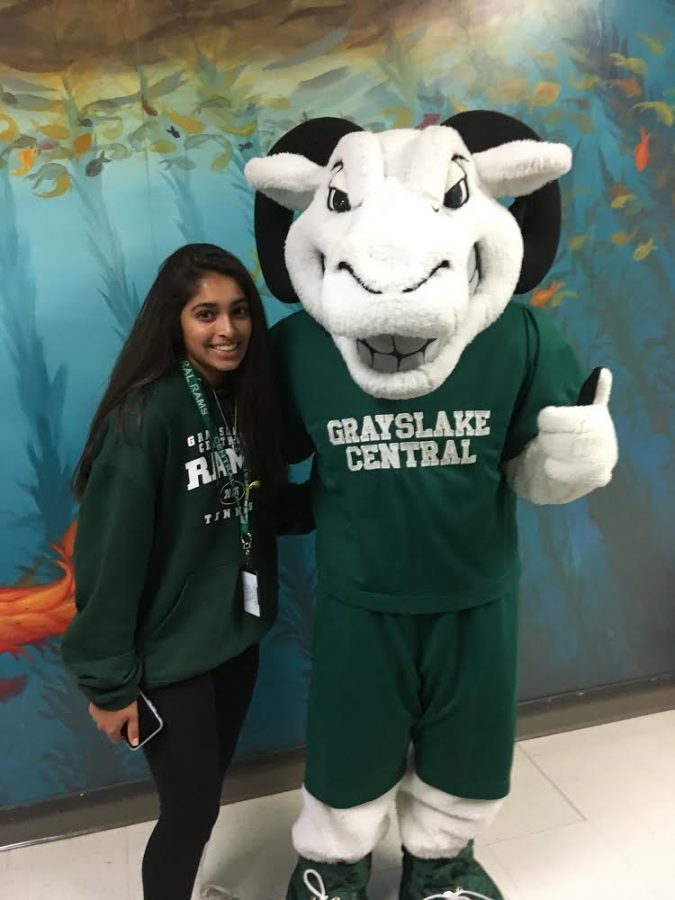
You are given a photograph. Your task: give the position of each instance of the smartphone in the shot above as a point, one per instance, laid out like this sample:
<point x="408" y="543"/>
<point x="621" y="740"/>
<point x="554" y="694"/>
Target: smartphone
<point x="589" y="387"/>
<point x="149" y="723"/>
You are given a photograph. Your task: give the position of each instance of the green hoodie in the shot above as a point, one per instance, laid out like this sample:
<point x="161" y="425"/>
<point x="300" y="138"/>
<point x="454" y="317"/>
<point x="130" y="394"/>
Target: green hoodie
<point x="158" y="557"/>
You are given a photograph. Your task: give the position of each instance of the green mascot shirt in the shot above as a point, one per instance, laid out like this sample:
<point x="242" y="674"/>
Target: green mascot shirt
<point x="413" y="511"/>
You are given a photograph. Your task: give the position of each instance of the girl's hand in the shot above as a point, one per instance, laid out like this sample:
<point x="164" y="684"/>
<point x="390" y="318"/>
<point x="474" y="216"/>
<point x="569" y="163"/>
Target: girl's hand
<point x="110" y="721"/>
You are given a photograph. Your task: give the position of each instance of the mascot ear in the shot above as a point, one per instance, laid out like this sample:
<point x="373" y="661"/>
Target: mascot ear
<point x="522" y="167"/>
<point x="287" y="178"/>
<point x="538" y="214"/>
<point x="291" y="181"/>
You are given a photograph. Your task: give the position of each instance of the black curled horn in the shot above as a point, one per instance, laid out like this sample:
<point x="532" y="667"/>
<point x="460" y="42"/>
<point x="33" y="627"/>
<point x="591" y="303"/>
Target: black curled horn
<point x="315" y="139"/>
<point x="539" y="214"/>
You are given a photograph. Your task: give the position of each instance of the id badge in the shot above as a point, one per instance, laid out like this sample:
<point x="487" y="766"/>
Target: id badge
<point x="249" y="582"/>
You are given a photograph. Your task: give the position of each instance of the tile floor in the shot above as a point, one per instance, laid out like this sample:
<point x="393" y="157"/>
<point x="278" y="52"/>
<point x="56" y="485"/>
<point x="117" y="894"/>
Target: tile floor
<point x="591" y="817"/>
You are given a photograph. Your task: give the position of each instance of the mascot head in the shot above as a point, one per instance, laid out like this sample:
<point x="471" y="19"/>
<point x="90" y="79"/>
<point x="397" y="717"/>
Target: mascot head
<point x="401" y="249"/>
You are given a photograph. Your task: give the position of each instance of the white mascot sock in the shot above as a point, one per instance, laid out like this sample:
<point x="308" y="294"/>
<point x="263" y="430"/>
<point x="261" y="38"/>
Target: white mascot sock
<point x="325" y="834"/>
<point x="436" y="825"/>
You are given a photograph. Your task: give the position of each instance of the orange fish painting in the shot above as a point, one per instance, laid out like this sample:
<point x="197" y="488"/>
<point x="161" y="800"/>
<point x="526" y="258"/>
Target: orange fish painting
<point x="82" y="143"/>
<point x="621" y="238"/>
<point x="147" y="108"/>
<point x="543" y="296"/>
<point x="618" y="189"/>
<point x="641" y="152"/>
<point x="11" y="687"/>
<point x="27" y="159"/>
<point x="429" y="119"/>
<point x="31" y="615"/>
<point x="630" y="86"/>
<point x="579" y="102"/>
<point x="545" y="93"/>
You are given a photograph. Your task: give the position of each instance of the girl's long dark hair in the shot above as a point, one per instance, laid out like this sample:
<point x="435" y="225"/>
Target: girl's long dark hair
<point x="155" y="347"/>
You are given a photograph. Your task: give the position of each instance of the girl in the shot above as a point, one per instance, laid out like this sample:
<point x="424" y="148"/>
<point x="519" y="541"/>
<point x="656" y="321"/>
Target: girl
<point x="175" y="557"/>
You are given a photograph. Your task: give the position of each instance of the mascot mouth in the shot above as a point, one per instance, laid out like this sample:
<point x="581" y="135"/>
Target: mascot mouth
<point x="391" y="353"/>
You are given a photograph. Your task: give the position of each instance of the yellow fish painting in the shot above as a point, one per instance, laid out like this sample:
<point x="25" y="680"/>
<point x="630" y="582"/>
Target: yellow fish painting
<point x="632" y="63"/>
<point x="664" y="111"/>
<point x="621" y="201"/>
<point x="456" y="105"/>
<point x="584" y="123"/>
<point x="548" y="60"/>
<point x="655" y="45"/>
<point x="162" y="146"/>
<point x="642" y="251"/>
<point x="511" y="90"/>
<point x="586" y="83"/>
<point x="56" y="132"/>
<point x="112" y="132"/>
<point x="55" y="173"/>
<point x="186" y="123"/>
<point x="222" y="161"/>
<point x="402" y="116"/>
<point x="61" y="185"/>
<point x="12" y="130"/>
<point x="249" y="128"/>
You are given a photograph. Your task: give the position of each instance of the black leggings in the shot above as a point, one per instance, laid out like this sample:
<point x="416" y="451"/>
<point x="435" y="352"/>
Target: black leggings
<point x="203" y="717"/>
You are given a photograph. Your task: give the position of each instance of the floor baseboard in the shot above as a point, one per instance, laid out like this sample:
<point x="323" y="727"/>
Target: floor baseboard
<point x="274" y="773"/>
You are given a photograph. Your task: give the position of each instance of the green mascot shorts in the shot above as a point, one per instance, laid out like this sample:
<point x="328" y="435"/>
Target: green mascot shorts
<point x="444" y="683"/>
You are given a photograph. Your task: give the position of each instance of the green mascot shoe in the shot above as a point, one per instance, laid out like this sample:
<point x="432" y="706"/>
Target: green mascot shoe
<point x="329" y="881"/>
<point x="460" y="878"/>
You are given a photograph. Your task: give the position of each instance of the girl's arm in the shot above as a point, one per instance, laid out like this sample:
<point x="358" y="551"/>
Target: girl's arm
<point x="112" y="554"/>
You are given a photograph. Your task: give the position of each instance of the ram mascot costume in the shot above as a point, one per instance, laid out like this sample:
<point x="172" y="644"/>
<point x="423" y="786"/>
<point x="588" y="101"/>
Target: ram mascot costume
<point x="429" y="401"/>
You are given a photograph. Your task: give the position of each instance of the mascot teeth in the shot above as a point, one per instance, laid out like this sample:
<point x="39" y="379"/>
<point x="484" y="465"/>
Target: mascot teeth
<point x="393" y="353"/>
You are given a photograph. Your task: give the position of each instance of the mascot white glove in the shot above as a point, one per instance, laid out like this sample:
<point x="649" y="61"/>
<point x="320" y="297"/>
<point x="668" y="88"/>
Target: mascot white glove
<point x="574" y="452"/>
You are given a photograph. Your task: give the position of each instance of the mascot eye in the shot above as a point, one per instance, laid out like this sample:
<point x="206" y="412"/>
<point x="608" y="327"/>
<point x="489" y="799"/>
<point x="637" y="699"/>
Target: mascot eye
<point x="458" y="191"/>
<point x="457" y="195"/>
<point x="338" y="201"/>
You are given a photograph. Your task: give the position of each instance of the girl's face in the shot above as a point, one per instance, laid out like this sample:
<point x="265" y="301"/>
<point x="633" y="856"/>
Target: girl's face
<point x="216" y="325"/>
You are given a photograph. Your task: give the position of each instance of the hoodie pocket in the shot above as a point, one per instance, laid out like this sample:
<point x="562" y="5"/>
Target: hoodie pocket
<point x="204" y="609"/>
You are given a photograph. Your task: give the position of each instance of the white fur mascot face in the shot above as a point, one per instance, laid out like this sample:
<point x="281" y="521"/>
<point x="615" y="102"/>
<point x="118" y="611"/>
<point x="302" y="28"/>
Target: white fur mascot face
<point x="402" y="251"/>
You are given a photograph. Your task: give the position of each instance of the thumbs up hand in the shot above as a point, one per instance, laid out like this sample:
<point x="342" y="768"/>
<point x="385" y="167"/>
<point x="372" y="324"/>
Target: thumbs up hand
<point x="578" y="443"/>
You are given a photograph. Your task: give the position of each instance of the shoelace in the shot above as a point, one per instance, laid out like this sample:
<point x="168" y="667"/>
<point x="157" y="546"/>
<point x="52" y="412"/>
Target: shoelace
<point x="319" y="890"/>
<point x="459" y="894"/>
<point x="215" y="892"/>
